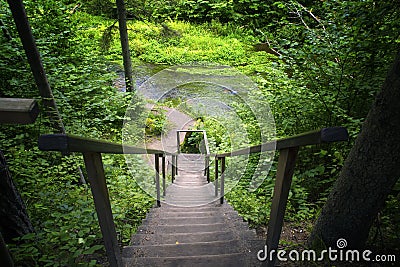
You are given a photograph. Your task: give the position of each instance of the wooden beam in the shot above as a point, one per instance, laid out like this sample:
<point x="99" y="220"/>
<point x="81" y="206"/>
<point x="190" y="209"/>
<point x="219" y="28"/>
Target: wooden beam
<point x="286" y="164"/>
<point x="216" y="176"/>
<point x="18" y="110"/>
<point x="71" y="143"/>
<point x="35" y="62"/>
<point x="325" y="135"/>
<point x="163" y="173"/>
<point x="157" y="167"/>
<point x="221" y="200"/>
<point x="97" y="181"/>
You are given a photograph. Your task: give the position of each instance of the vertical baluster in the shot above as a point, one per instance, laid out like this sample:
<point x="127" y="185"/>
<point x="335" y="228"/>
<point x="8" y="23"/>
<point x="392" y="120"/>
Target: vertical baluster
<point x="222" y="180"/>
<point x="157" y="167"/>
<point x="173" y="167"/>
<point x="207" y="168"/>
<point x="284" y="173"/>
<point x="97" y="181"/>
<point x="163" y="173"/>
<point x="216" y="177"/>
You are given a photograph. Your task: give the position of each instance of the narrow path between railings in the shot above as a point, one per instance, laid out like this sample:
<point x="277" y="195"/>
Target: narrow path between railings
<point x="191" y="228"/>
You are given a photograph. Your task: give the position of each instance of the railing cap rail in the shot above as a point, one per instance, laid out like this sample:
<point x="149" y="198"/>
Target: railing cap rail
<point x="67" y="143"/>
<point x="324" y="135"/>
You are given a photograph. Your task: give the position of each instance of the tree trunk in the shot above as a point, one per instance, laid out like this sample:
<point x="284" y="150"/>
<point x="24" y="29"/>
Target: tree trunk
<point x="14" y="220"/>
<point x="35" y="62"/>
<point x="123" y="33"/>
<point x="369" y="173"/>
<point x="39" y="74"/>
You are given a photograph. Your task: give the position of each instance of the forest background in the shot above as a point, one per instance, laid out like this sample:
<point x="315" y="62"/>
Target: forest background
<point x="320" y="64"/>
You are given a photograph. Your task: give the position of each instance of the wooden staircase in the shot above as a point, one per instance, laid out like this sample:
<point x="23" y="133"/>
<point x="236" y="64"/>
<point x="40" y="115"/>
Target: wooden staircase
<point x="191" y="228"/>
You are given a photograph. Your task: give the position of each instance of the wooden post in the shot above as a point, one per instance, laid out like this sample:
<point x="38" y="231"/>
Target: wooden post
<point x="286" y="164"/>
<point x="35" y="62"/>
<point x="157" y="166"/>
<point x="173" y="167"/>
<point x="18" y="110"/>
<point x="97" y="179"/>
<point x="178" y="144"/>
<point x="216" y="177"/>
<point x="222" y="180"/>
<point x="163" y="173"/>
<point x="207" y="168"/>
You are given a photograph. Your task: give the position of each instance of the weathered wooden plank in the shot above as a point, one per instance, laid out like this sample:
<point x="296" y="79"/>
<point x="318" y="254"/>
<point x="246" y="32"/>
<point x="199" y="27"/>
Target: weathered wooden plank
<point x="325" y="135"/>
<point x="221" y="200"/>
<point x="157" y="167"/>
<point x="97" y="180"/>
<point x="216" y="176"/>
<point x="207" y="168"/>
<point x="71" y="143"/>
<point x="286" y="164"/>
<point x="35" y="62"/>
<point x="173" y="167"/>
<point x="18" y="110"/>
<point x="163" y="173"/>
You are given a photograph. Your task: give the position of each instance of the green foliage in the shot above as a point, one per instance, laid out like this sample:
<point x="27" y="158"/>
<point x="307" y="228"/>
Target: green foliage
<point x="156" y="122"/>
<point x="62" y="212"/>
<point x="334" y="56"/>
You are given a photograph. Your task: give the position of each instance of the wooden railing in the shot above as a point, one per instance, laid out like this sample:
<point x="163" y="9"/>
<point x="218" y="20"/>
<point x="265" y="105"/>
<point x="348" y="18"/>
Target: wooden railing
<point x="206" y="155"/>
<point x="288" y="148"/>
<point x="92" y="150"/>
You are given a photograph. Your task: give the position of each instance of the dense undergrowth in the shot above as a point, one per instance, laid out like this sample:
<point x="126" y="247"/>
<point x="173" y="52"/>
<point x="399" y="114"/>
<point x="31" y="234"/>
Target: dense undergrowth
<point x="317" y="81"/>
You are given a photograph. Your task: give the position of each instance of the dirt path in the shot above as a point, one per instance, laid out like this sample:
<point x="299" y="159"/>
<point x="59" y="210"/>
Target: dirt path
<point x="168" y="141"/>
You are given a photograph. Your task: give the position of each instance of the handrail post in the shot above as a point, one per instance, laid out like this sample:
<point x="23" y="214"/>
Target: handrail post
<point x="173" y="168"/>
<point x="222" y="180"/>
<point x="98" y="186"/>
<point x="176" y="164"/>
<point x="163" y="173"/>
<point x="216" y="177"/>
<point x="207" y="168"/>
<point x="157" y="167"/>
<point x="284" y="174"/>
<point x="178" y="150"/>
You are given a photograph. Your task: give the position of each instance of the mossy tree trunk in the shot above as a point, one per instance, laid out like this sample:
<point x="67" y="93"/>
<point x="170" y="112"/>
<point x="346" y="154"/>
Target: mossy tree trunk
<point x="369" y="173"/>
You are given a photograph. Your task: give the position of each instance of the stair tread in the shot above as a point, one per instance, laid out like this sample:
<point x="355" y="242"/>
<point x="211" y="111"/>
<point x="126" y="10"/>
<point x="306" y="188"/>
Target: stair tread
<point x="191" y="228"/>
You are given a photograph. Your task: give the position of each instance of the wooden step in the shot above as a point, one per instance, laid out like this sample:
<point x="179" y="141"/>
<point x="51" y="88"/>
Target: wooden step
<point x="163" y="238"/>
<point x="191" y="228"/>
<point x="185" y="220"/>
<point x="185" y="249"/>
<point x="226" y="260"/>
<point x="183" y="228"/>
<point x="188" y="214"/>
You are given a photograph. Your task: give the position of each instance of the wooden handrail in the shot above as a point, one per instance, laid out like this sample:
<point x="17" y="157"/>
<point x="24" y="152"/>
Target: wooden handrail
<point x="92" y="150"/>
<point x="325" y="135"/>
<point x="288" y="149"/>
<point x="18" y="110"/>
<point x="71" y="143"/>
